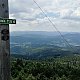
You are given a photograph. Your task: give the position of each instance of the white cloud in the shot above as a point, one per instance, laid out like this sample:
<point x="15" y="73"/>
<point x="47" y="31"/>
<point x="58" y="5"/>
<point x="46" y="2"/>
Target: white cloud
<point x="64" y="13"/>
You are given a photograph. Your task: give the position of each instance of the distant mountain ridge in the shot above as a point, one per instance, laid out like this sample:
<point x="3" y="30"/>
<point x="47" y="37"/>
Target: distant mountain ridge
<point x="20" y="33"/>
<point x="40" y="44"/>
<point x="24" y="36"/>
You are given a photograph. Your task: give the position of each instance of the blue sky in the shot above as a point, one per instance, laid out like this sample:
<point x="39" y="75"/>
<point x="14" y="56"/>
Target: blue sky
<point x="65" y="14"/>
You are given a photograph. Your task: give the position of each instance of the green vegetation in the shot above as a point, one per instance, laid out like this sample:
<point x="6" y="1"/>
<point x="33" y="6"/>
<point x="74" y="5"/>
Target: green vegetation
<point x="65" y="68"/>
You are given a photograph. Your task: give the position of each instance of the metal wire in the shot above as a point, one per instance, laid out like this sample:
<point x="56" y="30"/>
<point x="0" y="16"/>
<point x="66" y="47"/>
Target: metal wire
<point x="66" y="42"/>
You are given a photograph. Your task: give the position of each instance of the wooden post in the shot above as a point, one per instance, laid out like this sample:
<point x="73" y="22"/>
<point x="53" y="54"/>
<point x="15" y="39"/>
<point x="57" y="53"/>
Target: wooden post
<point x="4" y="43"/>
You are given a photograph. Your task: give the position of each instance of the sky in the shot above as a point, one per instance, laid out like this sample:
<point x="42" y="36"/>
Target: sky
<point x="65" y="14"/>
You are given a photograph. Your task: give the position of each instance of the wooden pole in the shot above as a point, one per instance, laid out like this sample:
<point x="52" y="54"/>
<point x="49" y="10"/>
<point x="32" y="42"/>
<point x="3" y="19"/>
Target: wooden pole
<point x="4" y="43"/>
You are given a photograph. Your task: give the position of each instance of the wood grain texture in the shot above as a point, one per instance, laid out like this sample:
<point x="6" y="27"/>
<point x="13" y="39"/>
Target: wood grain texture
<point x="4" y="45"/>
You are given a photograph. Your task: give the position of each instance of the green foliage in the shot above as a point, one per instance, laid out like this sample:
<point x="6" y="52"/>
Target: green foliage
<point x="66" y="68"/>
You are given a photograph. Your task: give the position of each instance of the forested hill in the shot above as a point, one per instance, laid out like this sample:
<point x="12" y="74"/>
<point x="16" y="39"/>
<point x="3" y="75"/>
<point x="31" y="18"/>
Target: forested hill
<point x="66" y="68"/>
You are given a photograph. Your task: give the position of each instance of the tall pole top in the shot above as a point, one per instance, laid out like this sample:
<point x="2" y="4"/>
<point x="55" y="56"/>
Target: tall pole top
<point x="4" y="11"/>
